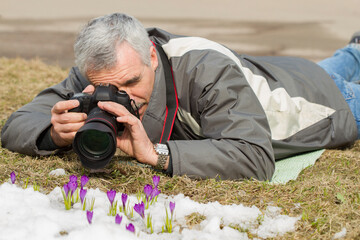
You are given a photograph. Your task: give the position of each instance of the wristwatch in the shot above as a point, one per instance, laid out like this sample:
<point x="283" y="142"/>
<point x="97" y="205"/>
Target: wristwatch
<point x="163" y="153"/>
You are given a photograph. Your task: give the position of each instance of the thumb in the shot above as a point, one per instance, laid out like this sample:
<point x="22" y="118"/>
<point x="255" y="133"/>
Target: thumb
<point x="89" y="89"/>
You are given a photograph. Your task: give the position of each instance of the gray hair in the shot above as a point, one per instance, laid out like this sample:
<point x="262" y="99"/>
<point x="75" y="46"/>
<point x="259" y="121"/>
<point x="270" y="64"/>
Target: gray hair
<point x="95" y="46"/>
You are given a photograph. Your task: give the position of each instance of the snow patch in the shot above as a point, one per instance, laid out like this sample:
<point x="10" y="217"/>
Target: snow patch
<point x="29" y="214"/>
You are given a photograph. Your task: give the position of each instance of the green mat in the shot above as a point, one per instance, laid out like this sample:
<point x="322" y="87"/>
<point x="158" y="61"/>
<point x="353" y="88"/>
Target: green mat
<point x="289" y="168"/>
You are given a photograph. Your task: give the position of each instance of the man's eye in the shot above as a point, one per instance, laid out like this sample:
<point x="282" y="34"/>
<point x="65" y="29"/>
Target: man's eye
<point x="132" y="82"/>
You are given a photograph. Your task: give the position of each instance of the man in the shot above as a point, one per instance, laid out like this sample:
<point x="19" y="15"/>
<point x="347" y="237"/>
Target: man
<point x="234" y="115"/>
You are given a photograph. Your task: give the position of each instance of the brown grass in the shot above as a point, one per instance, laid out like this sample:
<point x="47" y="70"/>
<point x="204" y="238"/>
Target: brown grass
<point x="326" y="196"/>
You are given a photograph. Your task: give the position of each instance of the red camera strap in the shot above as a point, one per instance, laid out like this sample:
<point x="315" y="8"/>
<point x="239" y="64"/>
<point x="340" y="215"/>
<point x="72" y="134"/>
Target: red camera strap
<point x="172" y="103"/>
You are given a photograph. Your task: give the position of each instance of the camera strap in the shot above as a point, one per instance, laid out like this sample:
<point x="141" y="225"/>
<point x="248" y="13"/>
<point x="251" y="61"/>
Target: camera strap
<point x="172" y="103"/>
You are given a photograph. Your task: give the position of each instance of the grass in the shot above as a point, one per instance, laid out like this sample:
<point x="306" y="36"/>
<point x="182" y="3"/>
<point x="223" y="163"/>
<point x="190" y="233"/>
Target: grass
<point x="326" y="196"/>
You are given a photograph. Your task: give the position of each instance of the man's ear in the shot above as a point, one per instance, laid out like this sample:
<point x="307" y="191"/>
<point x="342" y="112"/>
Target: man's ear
<point x="153" y="58"/>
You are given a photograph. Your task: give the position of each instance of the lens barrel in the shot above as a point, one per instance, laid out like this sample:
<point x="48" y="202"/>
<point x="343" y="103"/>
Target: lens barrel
<point x="95" y="142"/>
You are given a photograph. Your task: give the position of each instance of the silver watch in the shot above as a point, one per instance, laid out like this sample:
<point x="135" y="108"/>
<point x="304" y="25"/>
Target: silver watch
<point x="163" y="152"/>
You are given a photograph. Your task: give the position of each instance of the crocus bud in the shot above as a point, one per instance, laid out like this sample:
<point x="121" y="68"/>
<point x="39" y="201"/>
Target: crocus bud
<point x="89" y="215"/>
<point x="12" y="177"/>
<point x="130" y="227"/>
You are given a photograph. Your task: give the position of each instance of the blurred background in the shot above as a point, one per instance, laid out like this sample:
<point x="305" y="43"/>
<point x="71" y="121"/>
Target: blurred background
<point x="307" y="28"/>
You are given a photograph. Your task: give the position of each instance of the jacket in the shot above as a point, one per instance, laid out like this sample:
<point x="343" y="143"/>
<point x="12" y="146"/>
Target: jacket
<point x="236" y="115"/>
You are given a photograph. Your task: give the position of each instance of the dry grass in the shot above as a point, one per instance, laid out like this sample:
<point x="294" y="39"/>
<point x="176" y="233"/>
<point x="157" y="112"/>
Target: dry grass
<point x="194" y="220"/>
<point x="327" y="196"/>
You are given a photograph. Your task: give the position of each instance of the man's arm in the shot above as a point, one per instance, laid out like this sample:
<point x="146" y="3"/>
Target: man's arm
<point x="22" y="130"/>
<point x="234" y="136"/>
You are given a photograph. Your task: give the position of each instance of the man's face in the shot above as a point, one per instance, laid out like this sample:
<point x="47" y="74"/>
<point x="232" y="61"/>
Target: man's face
<point x="130" y="74"/>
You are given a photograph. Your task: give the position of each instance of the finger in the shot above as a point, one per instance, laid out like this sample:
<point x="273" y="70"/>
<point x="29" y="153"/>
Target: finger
<point x="132" y="124"/>
<point x="68" y="128"/>
<point x="71" y="117"/>
<point x="113" y="108"/>
<point x="89" y="89"/>
<point x="128" y="119"/>
<point x="68" y="117"/>
<point x="62" y="106"/>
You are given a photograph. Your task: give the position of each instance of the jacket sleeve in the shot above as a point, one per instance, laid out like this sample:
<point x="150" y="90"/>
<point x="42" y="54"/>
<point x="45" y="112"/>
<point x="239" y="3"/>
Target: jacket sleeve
<point x="24" y="127"/>
<point x="235" y="138"/>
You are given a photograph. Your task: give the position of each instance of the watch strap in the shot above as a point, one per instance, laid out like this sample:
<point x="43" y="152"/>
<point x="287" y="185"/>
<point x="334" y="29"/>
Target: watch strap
<point x="163" y="154"/>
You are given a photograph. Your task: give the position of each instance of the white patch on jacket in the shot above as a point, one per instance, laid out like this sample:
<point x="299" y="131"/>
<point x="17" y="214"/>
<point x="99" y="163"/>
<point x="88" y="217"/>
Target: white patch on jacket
<point x="286" y="115"/>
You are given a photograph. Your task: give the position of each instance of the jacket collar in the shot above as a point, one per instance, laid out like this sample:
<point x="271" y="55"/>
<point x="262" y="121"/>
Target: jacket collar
<point x="155" y="113"/>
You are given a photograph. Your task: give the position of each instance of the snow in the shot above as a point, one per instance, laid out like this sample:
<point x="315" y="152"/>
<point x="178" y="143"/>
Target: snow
<point x="29" y="214"/>
<point x="57" y="172"/>
<point x="340" y="234"/>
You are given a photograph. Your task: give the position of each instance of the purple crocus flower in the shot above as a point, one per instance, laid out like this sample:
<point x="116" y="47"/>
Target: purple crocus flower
<point x="89" y="215"/>
<point x="73" y="178"/>
<point x="140" y="209"/>
<point x="156" y="180"/>
<point x="130" y="228"/>
<point x="72" y="186"/>
<point x="124" y="197"/>
<point x="154" y="193"/>
<point x="118" y="219"/>
<point x="82" y="195"/>
<point x="172" y="207"/>
<point x="12" y="177"/>
<point x="147" y="190"/>
<point x="84" y="179"/>
<point x="111" y="196"/>
<point x="66" y="189"/>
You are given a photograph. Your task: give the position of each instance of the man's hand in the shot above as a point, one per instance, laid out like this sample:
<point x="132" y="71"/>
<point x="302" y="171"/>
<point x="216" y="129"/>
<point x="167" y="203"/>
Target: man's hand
<point x="65" y="124"/>
<point x="134" y="140"/>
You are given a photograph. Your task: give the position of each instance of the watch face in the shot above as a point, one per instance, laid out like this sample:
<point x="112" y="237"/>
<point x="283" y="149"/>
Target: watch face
<point x="162" y="149"/>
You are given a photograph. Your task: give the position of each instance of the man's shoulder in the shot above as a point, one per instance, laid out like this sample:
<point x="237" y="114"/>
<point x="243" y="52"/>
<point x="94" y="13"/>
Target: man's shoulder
<point x="161" y="36"/>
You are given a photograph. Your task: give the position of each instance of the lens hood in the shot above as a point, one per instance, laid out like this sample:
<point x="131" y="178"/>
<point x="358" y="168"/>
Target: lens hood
<point x="95" y="142"/>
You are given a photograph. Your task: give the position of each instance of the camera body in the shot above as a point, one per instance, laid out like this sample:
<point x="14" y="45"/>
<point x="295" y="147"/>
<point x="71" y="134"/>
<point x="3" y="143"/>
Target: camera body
<point x="95" y="142"/>
<point x="88" y="102"/>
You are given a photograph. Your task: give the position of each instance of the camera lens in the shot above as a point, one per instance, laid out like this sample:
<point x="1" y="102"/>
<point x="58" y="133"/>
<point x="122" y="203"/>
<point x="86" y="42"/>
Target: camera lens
<point x="95" y="142"/>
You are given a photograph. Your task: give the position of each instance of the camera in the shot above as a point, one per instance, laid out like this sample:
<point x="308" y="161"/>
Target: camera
<point x="95" y="142"/>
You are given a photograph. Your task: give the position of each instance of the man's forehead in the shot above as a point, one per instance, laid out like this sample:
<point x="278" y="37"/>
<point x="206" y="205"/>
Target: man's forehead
<point x="120" y="74"/>
<point x="126" y="54"/>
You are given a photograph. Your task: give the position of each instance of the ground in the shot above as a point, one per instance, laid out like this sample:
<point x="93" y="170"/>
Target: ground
<point x="327" y="194"/>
